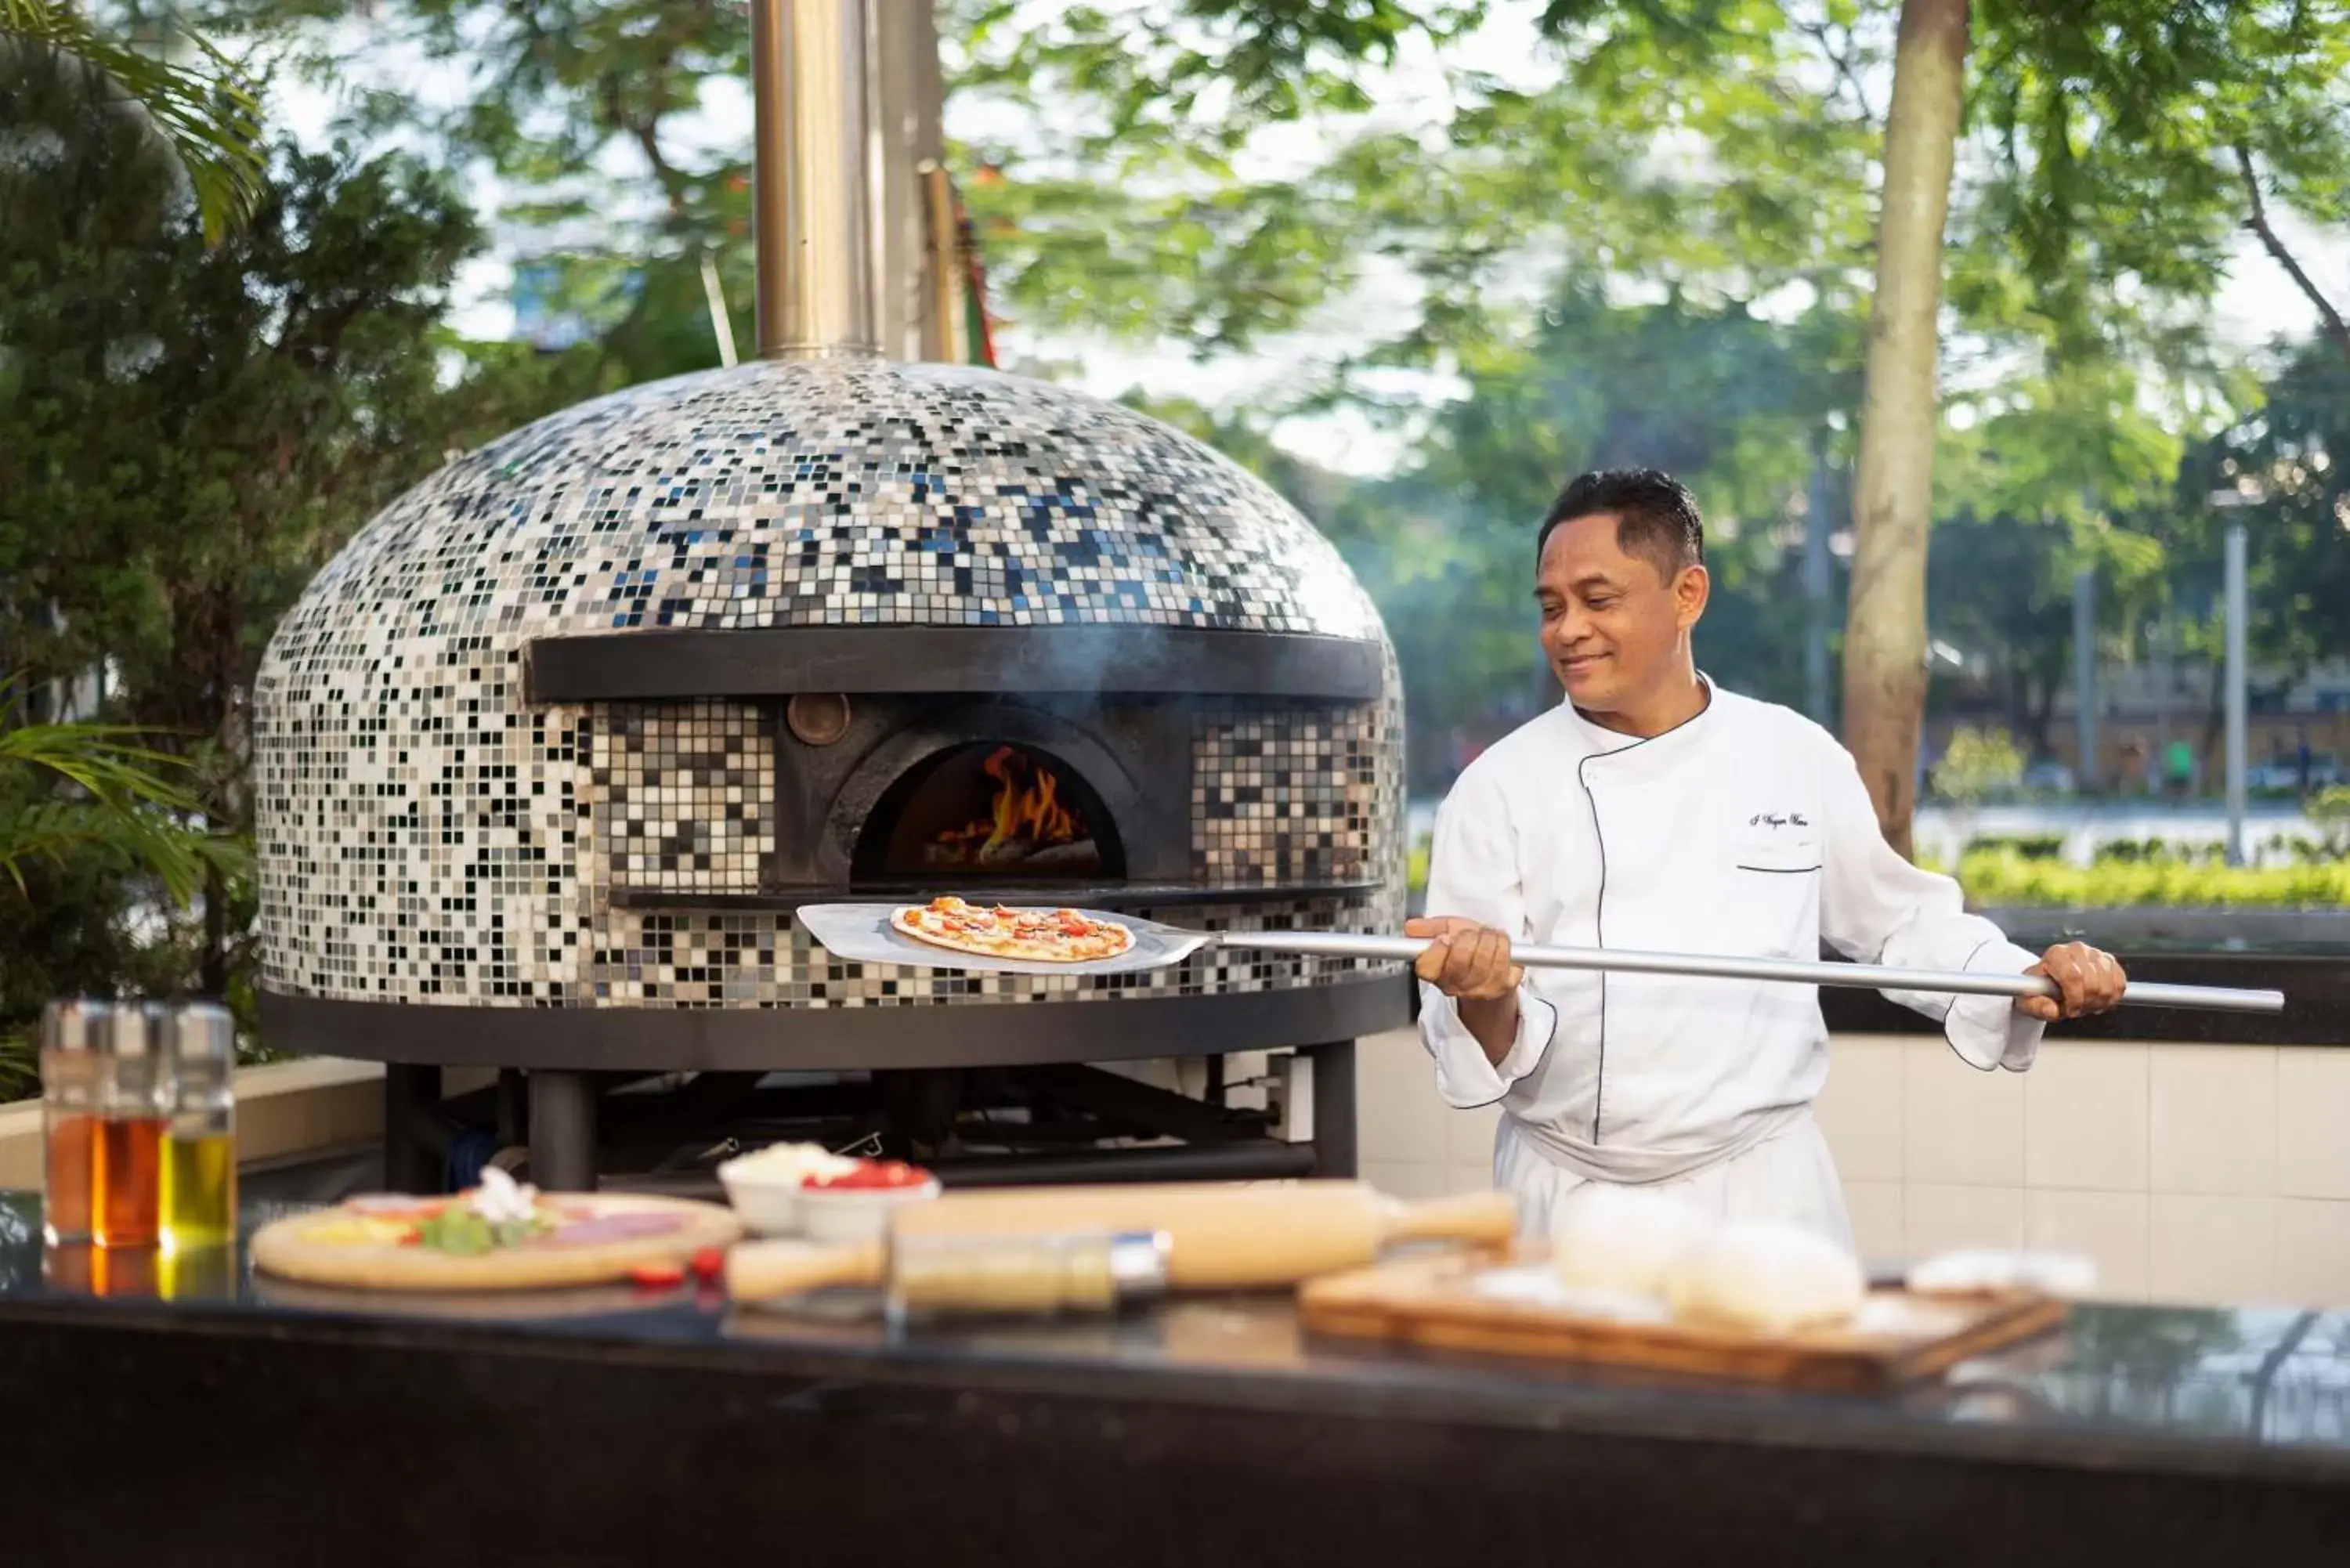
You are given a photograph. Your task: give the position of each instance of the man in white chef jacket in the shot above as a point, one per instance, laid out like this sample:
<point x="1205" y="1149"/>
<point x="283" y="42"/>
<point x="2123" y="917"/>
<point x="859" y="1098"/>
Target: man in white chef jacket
<point x="1652" y="810"/>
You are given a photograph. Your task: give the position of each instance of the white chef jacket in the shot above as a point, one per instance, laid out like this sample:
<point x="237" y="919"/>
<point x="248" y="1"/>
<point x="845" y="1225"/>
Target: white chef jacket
<point x="1745" y="831"/>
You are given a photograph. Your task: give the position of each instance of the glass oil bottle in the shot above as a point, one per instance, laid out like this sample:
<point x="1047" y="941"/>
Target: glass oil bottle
<point x="126" y="1176"/>
<point x="200" y="1148"/>
<point x="69" y="1073"/>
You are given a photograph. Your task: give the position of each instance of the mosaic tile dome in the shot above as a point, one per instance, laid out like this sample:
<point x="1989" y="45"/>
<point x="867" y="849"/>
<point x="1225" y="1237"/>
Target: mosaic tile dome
<point x="829" y="492"/>
<point x="427" y="836"/>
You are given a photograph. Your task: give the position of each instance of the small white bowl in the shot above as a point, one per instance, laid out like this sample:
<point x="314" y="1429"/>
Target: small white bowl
<point x="856" y="1213"/>
<point x="765" y="1185"/>
<point x="768" y="1206"/>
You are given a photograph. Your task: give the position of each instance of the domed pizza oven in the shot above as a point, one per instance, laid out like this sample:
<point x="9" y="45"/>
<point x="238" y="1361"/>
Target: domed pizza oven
<point x="550" y="754"/>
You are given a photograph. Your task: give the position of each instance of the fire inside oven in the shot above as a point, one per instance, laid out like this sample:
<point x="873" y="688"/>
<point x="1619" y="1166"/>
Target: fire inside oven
<point x="989" y="810"/>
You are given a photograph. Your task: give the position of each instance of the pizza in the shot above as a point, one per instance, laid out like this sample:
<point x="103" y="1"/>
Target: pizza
<point x="499" y="1236"/>
<point x="1035" y="936"/>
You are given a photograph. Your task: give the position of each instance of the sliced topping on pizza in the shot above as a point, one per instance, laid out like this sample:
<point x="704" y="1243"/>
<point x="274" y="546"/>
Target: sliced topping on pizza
<point x="596" y="1229"/>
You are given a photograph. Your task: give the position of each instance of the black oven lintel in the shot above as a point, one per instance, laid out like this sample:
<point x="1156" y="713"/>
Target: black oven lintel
<point x="776" y="661"/>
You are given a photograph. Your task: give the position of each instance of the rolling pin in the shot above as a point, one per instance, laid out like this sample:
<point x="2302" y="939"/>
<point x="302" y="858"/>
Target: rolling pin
<point x="1216" y="1237"/>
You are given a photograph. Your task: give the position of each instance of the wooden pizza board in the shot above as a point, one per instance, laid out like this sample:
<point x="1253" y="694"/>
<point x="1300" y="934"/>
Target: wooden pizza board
<point x="1433" y="1301"/>
<point x="286" y="1249"/>
<point x="554" y="1303"/>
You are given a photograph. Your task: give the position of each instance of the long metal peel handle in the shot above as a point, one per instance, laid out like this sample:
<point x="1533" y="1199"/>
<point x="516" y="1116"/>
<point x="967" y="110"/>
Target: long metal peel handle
<point x="1857" y="976"/>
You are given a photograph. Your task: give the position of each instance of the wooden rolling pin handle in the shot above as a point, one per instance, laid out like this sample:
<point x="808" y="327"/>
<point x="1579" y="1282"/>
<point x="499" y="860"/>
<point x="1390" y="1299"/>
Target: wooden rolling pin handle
<point x="1490" y="1217"/>
<point x="761" y="1271"/>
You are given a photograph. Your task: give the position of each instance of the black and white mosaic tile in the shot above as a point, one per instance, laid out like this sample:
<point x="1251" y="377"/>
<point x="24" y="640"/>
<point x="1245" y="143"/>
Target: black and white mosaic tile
<point x="425" y="836"/>
<point x="684" y="796"/>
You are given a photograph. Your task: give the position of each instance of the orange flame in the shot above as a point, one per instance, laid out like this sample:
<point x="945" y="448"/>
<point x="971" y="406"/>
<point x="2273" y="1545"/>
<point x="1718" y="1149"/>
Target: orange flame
<point x="1028" y="805"/>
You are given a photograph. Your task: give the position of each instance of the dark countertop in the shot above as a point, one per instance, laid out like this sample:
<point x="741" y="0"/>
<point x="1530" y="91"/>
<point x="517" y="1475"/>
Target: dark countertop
<point x="2208" y="1432"/>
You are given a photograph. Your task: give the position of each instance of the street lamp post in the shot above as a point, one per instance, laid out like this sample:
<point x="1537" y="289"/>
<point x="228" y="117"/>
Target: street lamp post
<point x="2237" y="762"/>
<point x="2085" y="676"/>
<point x="2238" y="612"/>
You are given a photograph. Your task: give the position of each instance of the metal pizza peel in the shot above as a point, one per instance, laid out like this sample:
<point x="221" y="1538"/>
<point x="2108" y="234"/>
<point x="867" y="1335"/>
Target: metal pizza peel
<point x="861" y="933"/>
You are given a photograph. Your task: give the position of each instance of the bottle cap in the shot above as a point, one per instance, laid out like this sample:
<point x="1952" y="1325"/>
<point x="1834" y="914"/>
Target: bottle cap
<point x="203" y="1031"/>
<point x="133" y="1029"/>
<point x="74" y="1024"/>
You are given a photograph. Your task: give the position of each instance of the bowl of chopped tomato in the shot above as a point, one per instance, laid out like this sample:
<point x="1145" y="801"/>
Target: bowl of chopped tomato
<point x="854" y="1205"/>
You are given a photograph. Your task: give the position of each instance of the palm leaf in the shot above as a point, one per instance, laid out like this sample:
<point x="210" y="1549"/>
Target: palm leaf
<point x="209" y="116"/>
<point x="20" y="1067"/>
<point x="128" y="804"/>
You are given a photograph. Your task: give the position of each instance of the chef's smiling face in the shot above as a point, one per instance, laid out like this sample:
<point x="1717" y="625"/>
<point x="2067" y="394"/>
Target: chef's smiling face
<point x="1614" y="623"/>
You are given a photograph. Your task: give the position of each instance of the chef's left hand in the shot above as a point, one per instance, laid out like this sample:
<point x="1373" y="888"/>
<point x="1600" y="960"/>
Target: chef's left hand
<point x="2091" y="981"/>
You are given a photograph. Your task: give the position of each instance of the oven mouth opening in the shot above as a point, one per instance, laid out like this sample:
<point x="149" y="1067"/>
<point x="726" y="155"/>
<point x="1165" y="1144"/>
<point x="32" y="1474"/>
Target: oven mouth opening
<point x="988" y="810"/>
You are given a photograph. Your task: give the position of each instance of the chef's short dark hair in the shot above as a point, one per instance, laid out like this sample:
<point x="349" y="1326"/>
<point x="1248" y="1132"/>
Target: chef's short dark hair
<point x="1655" y="516"/>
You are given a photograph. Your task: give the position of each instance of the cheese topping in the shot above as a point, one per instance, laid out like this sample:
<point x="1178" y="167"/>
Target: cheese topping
<point x="501" y="1200"/>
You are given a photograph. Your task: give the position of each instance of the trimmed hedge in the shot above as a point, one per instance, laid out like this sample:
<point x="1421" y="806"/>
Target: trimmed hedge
<point x="2001" y="877"/>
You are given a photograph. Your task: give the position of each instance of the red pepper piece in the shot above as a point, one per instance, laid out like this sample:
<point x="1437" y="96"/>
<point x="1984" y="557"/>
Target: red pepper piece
<point x="657" y="1275"/>
<point x="709" y="1262"/>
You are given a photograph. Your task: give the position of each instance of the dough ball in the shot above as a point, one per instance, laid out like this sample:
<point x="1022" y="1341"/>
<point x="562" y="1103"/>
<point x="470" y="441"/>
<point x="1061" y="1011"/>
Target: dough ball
<point x="1768" y="1276"/>
<point x="1623" y="1239"/>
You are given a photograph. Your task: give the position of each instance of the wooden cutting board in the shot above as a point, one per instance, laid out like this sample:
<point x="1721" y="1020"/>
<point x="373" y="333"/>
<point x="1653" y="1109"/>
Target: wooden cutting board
<point x="1438" y="1301"/>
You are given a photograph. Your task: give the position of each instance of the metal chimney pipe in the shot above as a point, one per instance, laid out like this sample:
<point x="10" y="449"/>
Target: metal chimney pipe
<point x="811" y="178"/>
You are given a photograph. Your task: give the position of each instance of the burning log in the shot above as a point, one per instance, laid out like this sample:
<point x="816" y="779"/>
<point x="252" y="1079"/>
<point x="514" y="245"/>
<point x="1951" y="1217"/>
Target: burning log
<point x="1027" y="822"/>
<point x="1077" y="857"/>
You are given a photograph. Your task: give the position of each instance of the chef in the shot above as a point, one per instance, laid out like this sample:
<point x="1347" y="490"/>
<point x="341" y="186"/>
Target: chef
<point x="1653" y="810"/>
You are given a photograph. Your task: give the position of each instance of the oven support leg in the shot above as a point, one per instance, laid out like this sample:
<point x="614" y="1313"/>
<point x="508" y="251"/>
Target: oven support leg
<point x="414" y="1160"/>
<point x="1334" y="1108"/>
<point x="562" y="1131"/>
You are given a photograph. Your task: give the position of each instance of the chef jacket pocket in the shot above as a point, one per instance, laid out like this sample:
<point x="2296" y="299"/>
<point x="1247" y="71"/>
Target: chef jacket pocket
<point x="1774" y="892"/>
<point x="1775" y="857"/>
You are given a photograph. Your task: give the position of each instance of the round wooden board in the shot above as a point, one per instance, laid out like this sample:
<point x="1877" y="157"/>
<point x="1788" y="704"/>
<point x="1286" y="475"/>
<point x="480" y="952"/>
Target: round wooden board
<point x="282" y="1247"/>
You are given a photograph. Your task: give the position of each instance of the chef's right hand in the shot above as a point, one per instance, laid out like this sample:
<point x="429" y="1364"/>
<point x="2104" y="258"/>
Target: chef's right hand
<point x="1465" y="960"/>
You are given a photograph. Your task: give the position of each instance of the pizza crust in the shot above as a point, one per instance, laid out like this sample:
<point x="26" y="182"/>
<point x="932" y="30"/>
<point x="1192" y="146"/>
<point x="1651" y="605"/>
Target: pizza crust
<point x="908" y="923"/>
<point x="303" y="1247"/>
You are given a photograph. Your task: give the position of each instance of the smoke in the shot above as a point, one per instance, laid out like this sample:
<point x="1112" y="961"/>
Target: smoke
<point x="1089" y="659"/>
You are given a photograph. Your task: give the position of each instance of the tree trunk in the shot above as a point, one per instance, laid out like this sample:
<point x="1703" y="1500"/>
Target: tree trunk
<point x="211" y="967"/>
<point x="2041" y="709"/>
<point x="1885" y="625"/>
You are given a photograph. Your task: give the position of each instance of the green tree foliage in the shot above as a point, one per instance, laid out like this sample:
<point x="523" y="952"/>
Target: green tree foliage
<point x="2111" y="153"/>
<point x="2133" y="141"/>
<point x="2287" y="461"/>
<point x="86" y="811"/>
<point x="586" y="111"/>
<point x="2330" y="810"/>
<point x="1978" y="765"/>
<point x="76" y="790"/>
<point x="207" y="113"/>
<point x="187" y="431"/>
<point x="1729" y="402"/>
